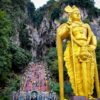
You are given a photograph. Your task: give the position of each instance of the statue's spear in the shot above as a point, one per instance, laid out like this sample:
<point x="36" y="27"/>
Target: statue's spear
<point x="60" y="64"/>
<point x="70" y="27"/>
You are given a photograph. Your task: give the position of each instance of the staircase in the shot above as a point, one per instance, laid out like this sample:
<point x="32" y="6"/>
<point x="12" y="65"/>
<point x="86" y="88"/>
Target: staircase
<point x="34" y="84"/>
<point x="34" y="78"/>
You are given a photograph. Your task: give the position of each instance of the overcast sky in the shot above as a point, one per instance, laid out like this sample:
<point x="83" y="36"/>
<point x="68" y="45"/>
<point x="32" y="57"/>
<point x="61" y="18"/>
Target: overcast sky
<point x="39" y="3"/>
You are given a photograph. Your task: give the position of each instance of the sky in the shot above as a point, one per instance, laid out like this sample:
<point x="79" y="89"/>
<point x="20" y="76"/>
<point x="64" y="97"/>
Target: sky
<point x="97" y="3"/>
<point x="39" y="3"/>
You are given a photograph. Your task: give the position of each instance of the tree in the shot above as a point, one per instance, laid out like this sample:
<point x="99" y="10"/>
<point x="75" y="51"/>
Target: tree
<point x="55" y="13"/>
<point x="38" y="17"/>
<point x="5" y="57"/>
<point x="24" y="37"/>
<point x="20" y="58"/>
<point x="31" y="9"/>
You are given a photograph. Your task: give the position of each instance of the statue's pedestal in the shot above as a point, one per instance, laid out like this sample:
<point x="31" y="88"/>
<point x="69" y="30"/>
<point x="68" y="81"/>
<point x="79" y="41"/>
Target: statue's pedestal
<point x="78" y="98"/>
<point x="95" y="99"/>
<point x="82" y="98"/>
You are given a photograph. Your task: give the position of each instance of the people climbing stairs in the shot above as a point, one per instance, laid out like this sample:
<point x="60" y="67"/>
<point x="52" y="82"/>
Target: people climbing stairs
<point x="35" y="78"/>
<point x="34" y="84"/>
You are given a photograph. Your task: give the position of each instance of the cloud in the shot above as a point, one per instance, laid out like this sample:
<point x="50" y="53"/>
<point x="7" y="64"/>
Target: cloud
<point x="97" y="3"/>
<point x="39" y="3"/>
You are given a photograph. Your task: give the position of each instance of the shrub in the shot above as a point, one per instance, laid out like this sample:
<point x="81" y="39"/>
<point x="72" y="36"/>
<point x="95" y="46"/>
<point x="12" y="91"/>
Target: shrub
<point x="20" y="58"/>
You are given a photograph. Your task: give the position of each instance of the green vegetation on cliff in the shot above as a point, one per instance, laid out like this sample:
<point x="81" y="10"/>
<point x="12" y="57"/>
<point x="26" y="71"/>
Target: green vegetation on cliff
<point x="13" y="59"/>
<point x="55" y="8"/>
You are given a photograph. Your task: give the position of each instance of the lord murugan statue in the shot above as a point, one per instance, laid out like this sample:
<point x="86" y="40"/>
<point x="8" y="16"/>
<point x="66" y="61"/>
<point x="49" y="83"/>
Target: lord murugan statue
<point x="79" y="55"/>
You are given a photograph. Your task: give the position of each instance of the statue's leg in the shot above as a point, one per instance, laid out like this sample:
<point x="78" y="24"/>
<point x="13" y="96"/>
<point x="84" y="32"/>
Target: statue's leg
<point x="90" y="71"/>
<point x="69" y="66"/>
<point x="78" y="71"/>
<point x="79" y="78"/>
<point x="85" y="78"/>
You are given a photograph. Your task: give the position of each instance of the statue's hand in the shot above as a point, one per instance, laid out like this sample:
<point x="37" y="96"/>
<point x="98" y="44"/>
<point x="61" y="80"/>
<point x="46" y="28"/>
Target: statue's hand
<point x="63" y="31"/>
<point x="84" y="55"/>
<point x="91" y="48"/>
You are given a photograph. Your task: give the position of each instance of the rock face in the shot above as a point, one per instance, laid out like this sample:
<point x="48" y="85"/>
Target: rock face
<point x="95" y="25"/>
<point x="44" y="36"/>
<point x="17" y="24"/>
<point x="84" y="14"/>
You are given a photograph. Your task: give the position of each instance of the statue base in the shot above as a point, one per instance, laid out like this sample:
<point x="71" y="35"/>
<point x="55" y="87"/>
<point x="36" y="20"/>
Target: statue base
<point x="83" y="98"/>
<point x="95" y="99"/>
<point x="78" y="98"/>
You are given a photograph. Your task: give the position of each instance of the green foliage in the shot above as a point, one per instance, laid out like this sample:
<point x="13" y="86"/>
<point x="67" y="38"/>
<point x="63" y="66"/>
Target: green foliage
<point x="56" y="8"/>
<point x="19" y="4"/>
<point x="31" y="9"/>
<point x="5" y="57"/>
<point x="63" y="20"/>
<point x="55" y="13"/>
<point x="93" y="12"/>
<point x="5" y="24"/>
<point x="88" y="5"/>
<point x="54" y="86"/>
<point x="80" y="3"/>
<point x="38" y="17"/>
<point x="50" y="2"/>
<point x="25" y="38"/>
<point x="51" y="59"/>
<point x="13" y="84"/>
<point x="35" y="15"/>
<point x="20" y="58"/>
<point x="86" y="20"/>
<point x="11" y="57"/>
<point x="67" y="88"/>
<point x="84" y="4"/>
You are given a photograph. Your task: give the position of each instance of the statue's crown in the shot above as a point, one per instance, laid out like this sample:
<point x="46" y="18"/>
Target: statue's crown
<point x="70" y="9"/>
<point x="75" y="8"/>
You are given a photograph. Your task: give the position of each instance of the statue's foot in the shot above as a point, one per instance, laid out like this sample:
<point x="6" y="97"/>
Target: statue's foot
<point x="81" y="94"/>
<point x="91" y="98"/>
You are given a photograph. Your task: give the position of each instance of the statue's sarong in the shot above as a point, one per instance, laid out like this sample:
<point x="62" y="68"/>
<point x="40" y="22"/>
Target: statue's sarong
<point x="76" y="75"/>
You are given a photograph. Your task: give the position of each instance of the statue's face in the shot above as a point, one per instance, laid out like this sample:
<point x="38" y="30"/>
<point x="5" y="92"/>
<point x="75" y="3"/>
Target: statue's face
<point x="76" y="15"/>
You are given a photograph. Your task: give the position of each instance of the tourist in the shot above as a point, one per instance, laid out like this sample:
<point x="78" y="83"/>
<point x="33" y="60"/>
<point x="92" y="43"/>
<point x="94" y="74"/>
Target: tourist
<point x="28" y="95"/>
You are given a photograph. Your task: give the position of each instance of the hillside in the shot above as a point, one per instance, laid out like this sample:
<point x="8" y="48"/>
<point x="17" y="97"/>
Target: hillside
<point x="28" y="34"/>
<point x="47" y="18"/>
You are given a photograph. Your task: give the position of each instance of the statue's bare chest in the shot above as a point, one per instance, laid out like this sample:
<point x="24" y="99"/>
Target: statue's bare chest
<point x="79" y="32"/>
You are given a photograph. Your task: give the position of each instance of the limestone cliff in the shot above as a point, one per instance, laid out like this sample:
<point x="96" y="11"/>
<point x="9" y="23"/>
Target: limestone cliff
<point x="41" y="36"/>
<point x="45" y="36"/>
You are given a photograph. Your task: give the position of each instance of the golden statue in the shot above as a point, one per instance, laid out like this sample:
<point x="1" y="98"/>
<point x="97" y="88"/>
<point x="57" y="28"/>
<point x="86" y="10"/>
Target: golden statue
<point x="79" y="55"/>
